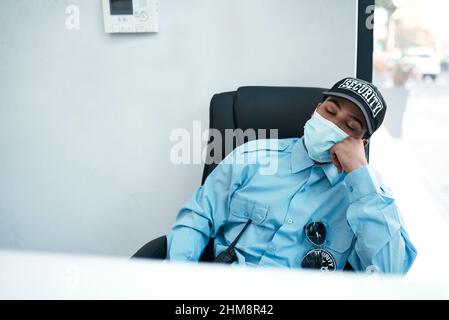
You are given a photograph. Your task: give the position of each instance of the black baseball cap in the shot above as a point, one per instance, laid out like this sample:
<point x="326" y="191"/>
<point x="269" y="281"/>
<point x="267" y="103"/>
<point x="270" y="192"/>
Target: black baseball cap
<point x="366" y="96"/>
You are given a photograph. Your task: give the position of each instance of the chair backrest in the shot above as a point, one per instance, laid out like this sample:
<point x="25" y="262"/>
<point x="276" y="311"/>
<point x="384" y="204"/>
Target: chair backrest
<point x="259" y="107"/>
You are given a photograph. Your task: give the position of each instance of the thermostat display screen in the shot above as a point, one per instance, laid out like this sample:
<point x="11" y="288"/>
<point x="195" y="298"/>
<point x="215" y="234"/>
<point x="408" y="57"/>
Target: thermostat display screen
<point x="121" y="7"/>
<point x="130" y="16"/>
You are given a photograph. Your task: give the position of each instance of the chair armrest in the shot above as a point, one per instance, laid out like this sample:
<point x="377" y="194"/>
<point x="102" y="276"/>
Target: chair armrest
<point x="155" y="249"/>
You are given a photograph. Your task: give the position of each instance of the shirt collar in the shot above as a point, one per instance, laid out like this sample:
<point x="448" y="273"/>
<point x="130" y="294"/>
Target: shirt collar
<point x="300" y="161"/>
<point x="332" y="173"/>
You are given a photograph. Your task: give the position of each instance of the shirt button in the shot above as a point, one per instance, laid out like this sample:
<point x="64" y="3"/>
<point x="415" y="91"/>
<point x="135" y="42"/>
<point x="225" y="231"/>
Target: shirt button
<point x="271" y="248"/>
<point x="290" y="220"/>
<point x="351" y="189"/>
<point x="372" y="269"/>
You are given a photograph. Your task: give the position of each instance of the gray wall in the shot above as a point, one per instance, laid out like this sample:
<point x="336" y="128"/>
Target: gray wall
<point x="85" y="117"/>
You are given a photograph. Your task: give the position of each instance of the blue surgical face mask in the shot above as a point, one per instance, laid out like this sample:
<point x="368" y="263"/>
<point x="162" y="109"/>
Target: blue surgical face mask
<point x="320" y="135"/>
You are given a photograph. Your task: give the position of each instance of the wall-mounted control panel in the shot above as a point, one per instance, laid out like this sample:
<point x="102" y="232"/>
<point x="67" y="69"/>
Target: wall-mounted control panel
<point x="130" y="16"/>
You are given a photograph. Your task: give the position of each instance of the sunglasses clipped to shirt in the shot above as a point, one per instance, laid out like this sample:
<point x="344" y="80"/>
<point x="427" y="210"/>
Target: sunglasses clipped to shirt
<point x="317" y="257"/>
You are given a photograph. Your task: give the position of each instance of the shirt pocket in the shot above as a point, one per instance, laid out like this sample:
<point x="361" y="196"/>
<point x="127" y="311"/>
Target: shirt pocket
<point x="340" y="238"/>
<point x="242" y="210"/>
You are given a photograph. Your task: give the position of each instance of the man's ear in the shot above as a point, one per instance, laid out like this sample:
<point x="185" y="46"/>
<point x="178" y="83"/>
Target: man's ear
<point x="365" y="142"/>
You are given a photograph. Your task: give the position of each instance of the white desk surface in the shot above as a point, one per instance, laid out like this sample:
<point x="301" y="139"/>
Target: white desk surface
<point x="32" y="275"/>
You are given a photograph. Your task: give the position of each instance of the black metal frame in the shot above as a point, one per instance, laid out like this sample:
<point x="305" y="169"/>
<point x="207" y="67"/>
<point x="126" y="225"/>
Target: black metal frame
<point x="364" y="66"/>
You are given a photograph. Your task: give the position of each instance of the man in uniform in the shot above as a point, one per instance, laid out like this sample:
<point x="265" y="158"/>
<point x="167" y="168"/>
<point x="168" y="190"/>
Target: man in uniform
<point x="323" y="207"/>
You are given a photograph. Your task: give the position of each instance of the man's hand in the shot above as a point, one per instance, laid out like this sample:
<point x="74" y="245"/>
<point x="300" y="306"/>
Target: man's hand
<point x="348" y="155"/>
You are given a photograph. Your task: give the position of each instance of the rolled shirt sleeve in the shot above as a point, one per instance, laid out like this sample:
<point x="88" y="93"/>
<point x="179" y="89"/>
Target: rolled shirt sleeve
<point x="382" y="243"/>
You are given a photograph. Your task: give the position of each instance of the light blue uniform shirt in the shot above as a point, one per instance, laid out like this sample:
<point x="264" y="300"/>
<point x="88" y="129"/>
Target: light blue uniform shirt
<point x="281" y="189"/>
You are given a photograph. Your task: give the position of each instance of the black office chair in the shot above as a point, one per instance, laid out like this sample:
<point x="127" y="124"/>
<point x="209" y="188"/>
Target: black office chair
<point x="284" y="108"/>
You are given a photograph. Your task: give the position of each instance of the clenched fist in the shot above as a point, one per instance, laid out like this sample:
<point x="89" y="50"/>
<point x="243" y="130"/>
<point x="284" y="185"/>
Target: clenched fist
<point x="349" y="154"/>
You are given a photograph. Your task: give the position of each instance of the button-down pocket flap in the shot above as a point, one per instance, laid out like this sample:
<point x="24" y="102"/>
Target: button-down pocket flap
<point x="340" y="238"/>
<point x="240" y="208"/>
<point x="259" y="214"/>
<point x="248" y="210"/>
<point x="340" y="244"/>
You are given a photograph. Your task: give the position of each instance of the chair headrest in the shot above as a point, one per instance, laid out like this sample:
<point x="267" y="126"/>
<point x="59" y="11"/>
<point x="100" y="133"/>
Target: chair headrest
<point x="284" y="108"/>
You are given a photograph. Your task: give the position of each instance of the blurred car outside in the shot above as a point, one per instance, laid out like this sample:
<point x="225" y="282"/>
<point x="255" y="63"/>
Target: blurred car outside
<point x="424" y="60"/>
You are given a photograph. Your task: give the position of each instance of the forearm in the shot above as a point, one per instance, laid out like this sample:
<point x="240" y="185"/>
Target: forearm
<point x="203" y="214"/>
<point x="192" y="229"/>
<point x="382" y="241"/>
<point x="187" y="241"/>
